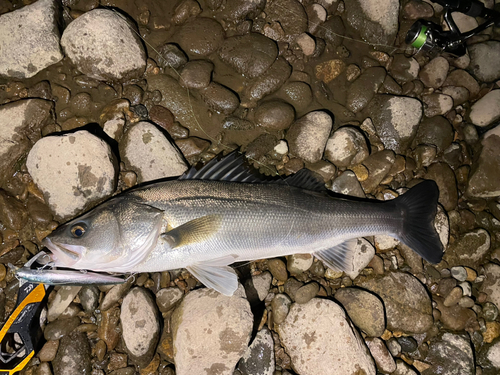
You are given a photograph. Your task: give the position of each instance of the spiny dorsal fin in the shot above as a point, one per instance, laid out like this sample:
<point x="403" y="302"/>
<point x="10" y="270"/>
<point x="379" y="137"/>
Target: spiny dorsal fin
<point x="234" y="168"/>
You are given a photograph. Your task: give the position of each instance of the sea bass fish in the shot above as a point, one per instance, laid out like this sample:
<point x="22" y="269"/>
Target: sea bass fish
<point x="222" y="213"/>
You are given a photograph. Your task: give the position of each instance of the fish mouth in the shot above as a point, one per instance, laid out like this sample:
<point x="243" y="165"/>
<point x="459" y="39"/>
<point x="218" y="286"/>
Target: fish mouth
<point x="66" y="255"/>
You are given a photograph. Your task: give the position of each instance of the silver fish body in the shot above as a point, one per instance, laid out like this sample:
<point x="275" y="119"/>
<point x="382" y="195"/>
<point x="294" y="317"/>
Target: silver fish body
<point x="204" y="225"/>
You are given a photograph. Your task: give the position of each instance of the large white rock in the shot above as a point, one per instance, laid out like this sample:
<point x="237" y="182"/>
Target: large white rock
<point x="486" y="110"/>
<point x="72" y="171"/>
<point x="103" y="45"/>
<point x="211" y="332"/>
<point x="150" y="154"/>
<point x="21" y="123"/>
<point x="308" y="135"/>
<point x="29" y="39"/>
<point x="307" y="334"/>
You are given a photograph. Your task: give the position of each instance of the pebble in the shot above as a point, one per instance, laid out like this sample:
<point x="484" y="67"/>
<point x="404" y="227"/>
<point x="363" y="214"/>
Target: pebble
<point x="207" y="316"/>
<point x="298" y="94"/>
<point x="437" y="104"/>
<point x="261" y="283"/>
<point x="241" y="9"/>
<point x="361" y="92"/>
<point x="100" y="350"/>
<point x="308" y="135"/>
<point x="461" y="78"/>
<point x="65" y="295"/>
<point x="83" y="165"/>
<point x="250" y="55"/>
<point x="362" y="255"/>
<point x="491" y="285"/>
<point x="404" y="69"/>
<point x="403" y="369"/>
<point x="459" y="273"/>
<point x="200" y="36"/>
<point x="459" y="94"/>
<point x="73" y="355"/>
<point x="274" y="115"/>
<point x="13" y="214"/>
<point x="307" y="292"/>
<point x="481" y="57"/>
<point x="306" y="44"/>
<point x="346" y="146"/>
<point x="259" y="357"/>
<point x="383" y="359"/>
<point x="140" y="324"/>
<point x="407" y="304"/>
<point x="192" y="147"/>
<point x="196" y="74"/>
<point x="486" y="110"/>
<point x="114" y="294"/>
<point x="146" y="151"/>
<point x="348" y="184"/>
<point x="21" y="123"/>
<point x="445" y="178"/>
<point x="280" y="306"/>
<point x="171" y="56"/>
<point x="291" y="286"/>
<point x="220" y="98"/>
<point x="469" y="249"/>
<point x="278" y="269"/>
<point x="48" y="351"/>
<point x="316" y="15"/>
<point x="306" y="334"/>
<point x="117" y="361"/>
<point x="167" y="298"/>
<point x="327" y="71"/>
<point x="436" y="131"/>
<point x="374" y="21"/>
<point x="489" y="357"/>
<point x="408" y="344"/>
<point x="394" y="346"/>
<point x="434" y="73"/>
<point x="298" y="263"/>
<point x="396" y="120"/>
<point x="450" y="345"/>
<point x="30" y="40"/>
<point x="103" y="46"/>
<point x="89" y="298"/>
<point x="490" y="311"/>
<point x="364" y="309"/>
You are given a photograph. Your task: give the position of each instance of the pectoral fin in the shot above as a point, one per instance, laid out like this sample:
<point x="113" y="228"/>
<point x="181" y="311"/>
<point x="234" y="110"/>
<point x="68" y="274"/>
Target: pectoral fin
<point x="194" y="231"/>
<point x="217" y="274"/>
<point x="339" y="257"/>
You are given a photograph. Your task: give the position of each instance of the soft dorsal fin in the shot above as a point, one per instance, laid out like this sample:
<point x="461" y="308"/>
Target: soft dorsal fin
<point x="234" y="168"/>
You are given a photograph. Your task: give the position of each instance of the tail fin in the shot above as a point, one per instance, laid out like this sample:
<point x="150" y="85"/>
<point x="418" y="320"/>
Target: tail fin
<point x="419" y="206"/>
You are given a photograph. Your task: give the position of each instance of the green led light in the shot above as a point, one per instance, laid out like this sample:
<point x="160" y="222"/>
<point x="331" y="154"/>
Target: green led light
<point x="421" y="38"/>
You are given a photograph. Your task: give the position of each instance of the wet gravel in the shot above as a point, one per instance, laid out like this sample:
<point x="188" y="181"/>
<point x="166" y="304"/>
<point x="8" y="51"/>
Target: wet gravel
<point x="142" y="92"/>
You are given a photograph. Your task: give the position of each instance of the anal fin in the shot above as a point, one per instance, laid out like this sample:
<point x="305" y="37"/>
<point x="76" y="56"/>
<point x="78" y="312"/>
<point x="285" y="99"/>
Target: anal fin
<point x="339" y="257"/>
<point x="217" y="274"/>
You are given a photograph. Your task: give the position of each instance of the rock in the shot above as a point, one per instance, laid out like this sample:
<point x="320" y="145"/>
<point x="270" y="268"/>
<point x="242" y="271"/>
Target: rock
<point x="450" y="354"/>
<point x="306" y="44"/>
<point x="306" y="335"/>
<point x="469" y="249"/>
<point x="60" y="328"/>
<point x="207" y="316"/>
<point x="267" y="83"/>
<point x="348" y="184"/>
<point x="383" y="359"/>
<point x="491" y="285"/>
<point x="407" y="304"/>
<point x="280" y="306"/>
<point x="278" y="269"/>
<point x="73" y="355"/>
<point x="364" y="309"/>
<point x="437" y="104"/>
<point x="404" y="69"/>
<point x="250" y="55"/>
<point x="403" y="369"/>
<point x="147" y="152"/>
<point x="104" y="46"/>
<point x="346" y="147"/>
<point x="140" y="325"/>
<point x="200" y="36"/>
<point x="274" y="115"/>
<point x="30" y="39"/>
<point x="445" y="179"/>
<point x="259" y="284"/>
<point x="362" y="255"/>
<point x="81" y="163"/>
<point x="316" y="15"/>
<point x="242" y="9"/>
<point x="308" y="135"/>
<point x="220" y="98"/>
<point x="461" y="78"/>
<point x="298" y="94"/>
<point x="481" y="57"/>
<point x="459" y="94"/>
<point x="489" y="357"/>
<point x="290" y="14"/>
<point x="328" y="70"/>
<point x="167" y="298"/>
<point x="396" y="120"/>
<point x="21" y="123"/>
<point x="170" y="56"/>
<point x="260" y="146"/>
<point x="486" y="110"/>
<point x="115" y="294"/>
<point x="13" y="214"/>
<point x="378" y="165"/>
<point x="332" y="31"/>
<point x="375" y="21"/>
<point x="305" y="293"/>
<point x="436" y="131"/>
<point x="434" y="73"/>
<point x="196" y="74"/>
<point x="363" y="89"/>
<point x="298" y="263"/>
<point x="65" y="295"/>
<point x="109" y="329"/>
<point x="89" y="298"/>
<point x="482" y="182"/>
<point x="259" y="357"/>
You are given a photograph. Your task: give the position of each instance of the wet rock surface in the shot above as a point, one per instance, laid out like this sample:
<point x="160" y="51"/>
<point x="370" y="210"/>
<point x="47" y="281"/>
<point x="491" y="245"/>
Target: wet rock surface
<point x="289" y="84"/>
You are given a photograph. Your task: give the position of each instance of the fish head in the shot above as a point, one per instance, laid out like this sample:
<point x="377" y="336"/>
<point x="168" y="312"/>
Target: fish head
<point x="111" y="237"/>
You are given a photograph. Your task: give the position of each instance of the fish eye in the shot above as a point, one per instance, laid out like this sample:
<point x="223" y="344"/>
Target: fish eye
<point x="78" y="230"/>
